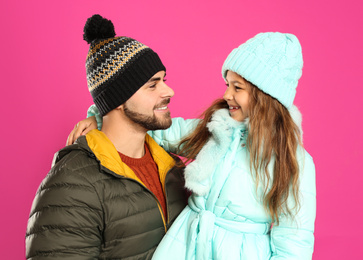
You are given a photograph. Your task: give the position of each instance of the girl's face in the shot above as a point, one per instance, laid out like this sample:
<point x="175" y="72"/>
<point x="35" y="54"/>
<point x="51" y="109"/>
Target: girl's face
<point x="237" y="96"/>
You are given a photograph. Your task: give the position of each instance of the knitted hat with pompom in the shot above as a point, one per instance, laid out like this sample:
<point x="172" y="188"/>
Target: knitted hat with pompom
<point x="116" y="66"/>
<point x="270" y="61"/>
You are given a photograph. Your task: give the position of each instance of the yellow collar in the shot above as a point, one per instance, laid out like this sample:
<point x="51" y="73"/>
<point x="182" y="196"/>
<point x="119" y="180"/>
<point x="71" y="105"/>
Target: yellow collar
<point x="106" y="152"/>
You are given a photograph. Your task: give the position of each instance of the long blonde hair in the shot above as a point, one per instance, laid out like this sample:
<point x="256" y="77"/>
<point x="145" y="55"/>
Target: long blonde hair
<point x="272" y="134"/>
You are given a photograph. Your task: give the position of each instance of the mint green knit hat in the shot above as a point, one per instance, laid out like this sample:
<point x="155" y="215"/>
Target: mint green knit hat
<point x="271" y="61"/>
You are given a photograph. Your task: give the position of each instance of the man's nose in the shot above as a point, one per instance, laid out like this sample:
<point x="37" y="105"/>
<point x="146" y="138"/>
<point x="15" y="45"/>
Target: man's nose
<point x="168" y="91"/>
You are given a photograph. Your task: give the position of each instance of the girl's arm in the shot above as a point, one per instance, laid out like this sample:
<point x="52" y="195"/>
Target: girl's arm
<point x="169" y="138"/>
<point x="93" y="111"/>
<point x="293" y="238"/>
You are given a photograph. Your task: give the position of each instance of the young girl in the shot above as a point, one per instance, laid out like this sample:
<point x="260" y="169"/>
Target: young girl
<point x="252" y="183"/>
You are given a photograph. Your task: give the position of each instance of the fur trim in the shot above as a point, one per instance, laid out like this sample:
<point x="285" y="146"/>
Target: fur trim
<point x="224" y="130"/>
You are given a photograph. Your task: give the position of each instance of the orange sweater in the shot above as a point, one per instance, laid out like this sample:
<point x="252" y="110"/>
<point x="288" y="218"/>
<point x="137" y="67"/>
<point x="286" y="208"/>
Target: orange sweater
<point x="146" y="170"/>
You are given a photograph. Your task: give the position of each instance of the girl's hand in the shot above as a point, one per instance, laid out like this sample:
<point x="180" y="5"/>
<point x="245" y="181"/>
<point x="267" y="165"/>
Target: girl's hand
<point x="82" y="128"/>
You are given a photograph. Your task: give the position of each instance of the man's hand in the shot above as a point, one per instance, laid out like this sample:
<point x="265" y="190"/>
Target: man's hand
<point x="82" y="128"/>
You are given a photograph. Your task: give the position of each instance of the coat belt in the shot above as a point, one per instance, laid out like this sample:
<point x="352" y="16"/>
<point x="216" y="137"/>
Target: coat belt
<point x="202" y="228"/>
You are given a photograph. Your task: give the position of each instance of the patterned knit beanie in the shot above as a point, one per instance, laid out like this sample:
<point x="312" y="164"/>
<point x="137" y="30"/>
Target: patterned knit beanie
<point x="272" y="62"/>
<point x="116" y="66"/>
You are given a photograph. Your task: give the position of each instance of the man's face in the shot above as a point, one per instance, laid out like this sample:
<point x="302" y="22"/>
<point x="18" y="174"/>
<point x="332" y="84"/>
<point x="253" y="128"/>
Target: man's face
<point x="148" y="107"/>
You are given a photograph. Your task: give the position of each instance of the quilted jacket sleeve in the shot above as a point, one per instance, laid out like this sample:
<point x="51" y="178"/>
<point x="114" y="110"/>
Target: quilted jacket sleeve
<point x="169" y="139"/>
<point x="65" y="219"/>
<point x="294" y="238"/>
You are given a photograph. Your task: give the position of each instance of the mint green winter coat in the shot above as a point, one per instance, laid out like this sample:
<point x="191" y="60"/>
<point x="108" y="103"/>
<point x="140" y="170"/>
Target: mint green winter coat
<point x="225" y="217"/>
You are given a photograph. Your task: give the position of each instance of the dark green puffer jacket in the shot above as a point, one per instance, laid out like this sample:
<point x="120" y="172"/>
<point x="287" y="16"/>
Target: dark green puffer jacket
<point x="92" y="206"/>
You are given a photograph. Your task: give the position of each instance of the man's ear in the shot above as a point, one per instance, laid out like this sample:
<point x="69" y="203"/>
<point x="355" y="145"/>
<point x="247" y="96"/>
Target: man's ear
<point x="120" y="107"/>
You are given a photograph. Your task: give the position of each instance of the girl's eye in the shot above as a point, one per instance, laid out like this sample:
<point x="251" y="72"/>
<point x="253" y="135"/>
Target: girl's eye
<point x="164" y="80"/>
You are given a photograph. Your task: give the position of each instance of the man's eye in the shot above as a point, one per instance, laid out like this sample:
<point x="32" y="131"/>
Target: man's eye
<point x="153" y="86"/>
<point x="164" y="80"/>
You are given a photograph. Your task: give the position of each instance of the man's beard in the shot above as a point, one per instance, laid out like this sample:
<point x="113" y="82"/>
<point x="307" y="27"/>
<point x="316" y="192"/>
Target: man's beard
<point x="149" y="122"/>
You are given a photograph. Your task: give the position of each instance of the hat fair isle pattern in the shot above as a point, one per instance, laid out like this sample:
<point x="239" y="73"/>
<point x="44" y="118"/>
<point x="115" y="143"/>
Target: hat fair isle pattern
<point x="116" y="66"/>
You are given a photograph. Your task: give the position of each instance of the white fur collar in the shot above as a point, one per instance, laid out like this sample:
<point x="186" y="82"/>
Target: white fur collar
<point x="225" y="131"/>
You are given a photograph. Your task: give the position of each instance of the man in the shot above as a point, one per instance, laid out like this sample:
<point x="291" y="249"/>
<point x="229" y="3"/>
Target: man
<point x="114" y="193"/>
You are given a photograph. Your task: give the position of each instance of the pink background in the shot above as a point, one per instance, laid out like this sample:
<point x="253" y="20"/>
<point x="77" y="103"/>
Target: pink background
<point x="44" y="90"/>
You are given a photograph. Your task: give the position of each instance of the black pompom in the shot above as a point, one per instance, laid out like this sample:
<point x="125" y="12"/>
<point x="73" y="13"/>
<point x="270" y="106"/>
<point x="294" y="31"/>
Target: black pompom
<point x="97" y="28"/>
